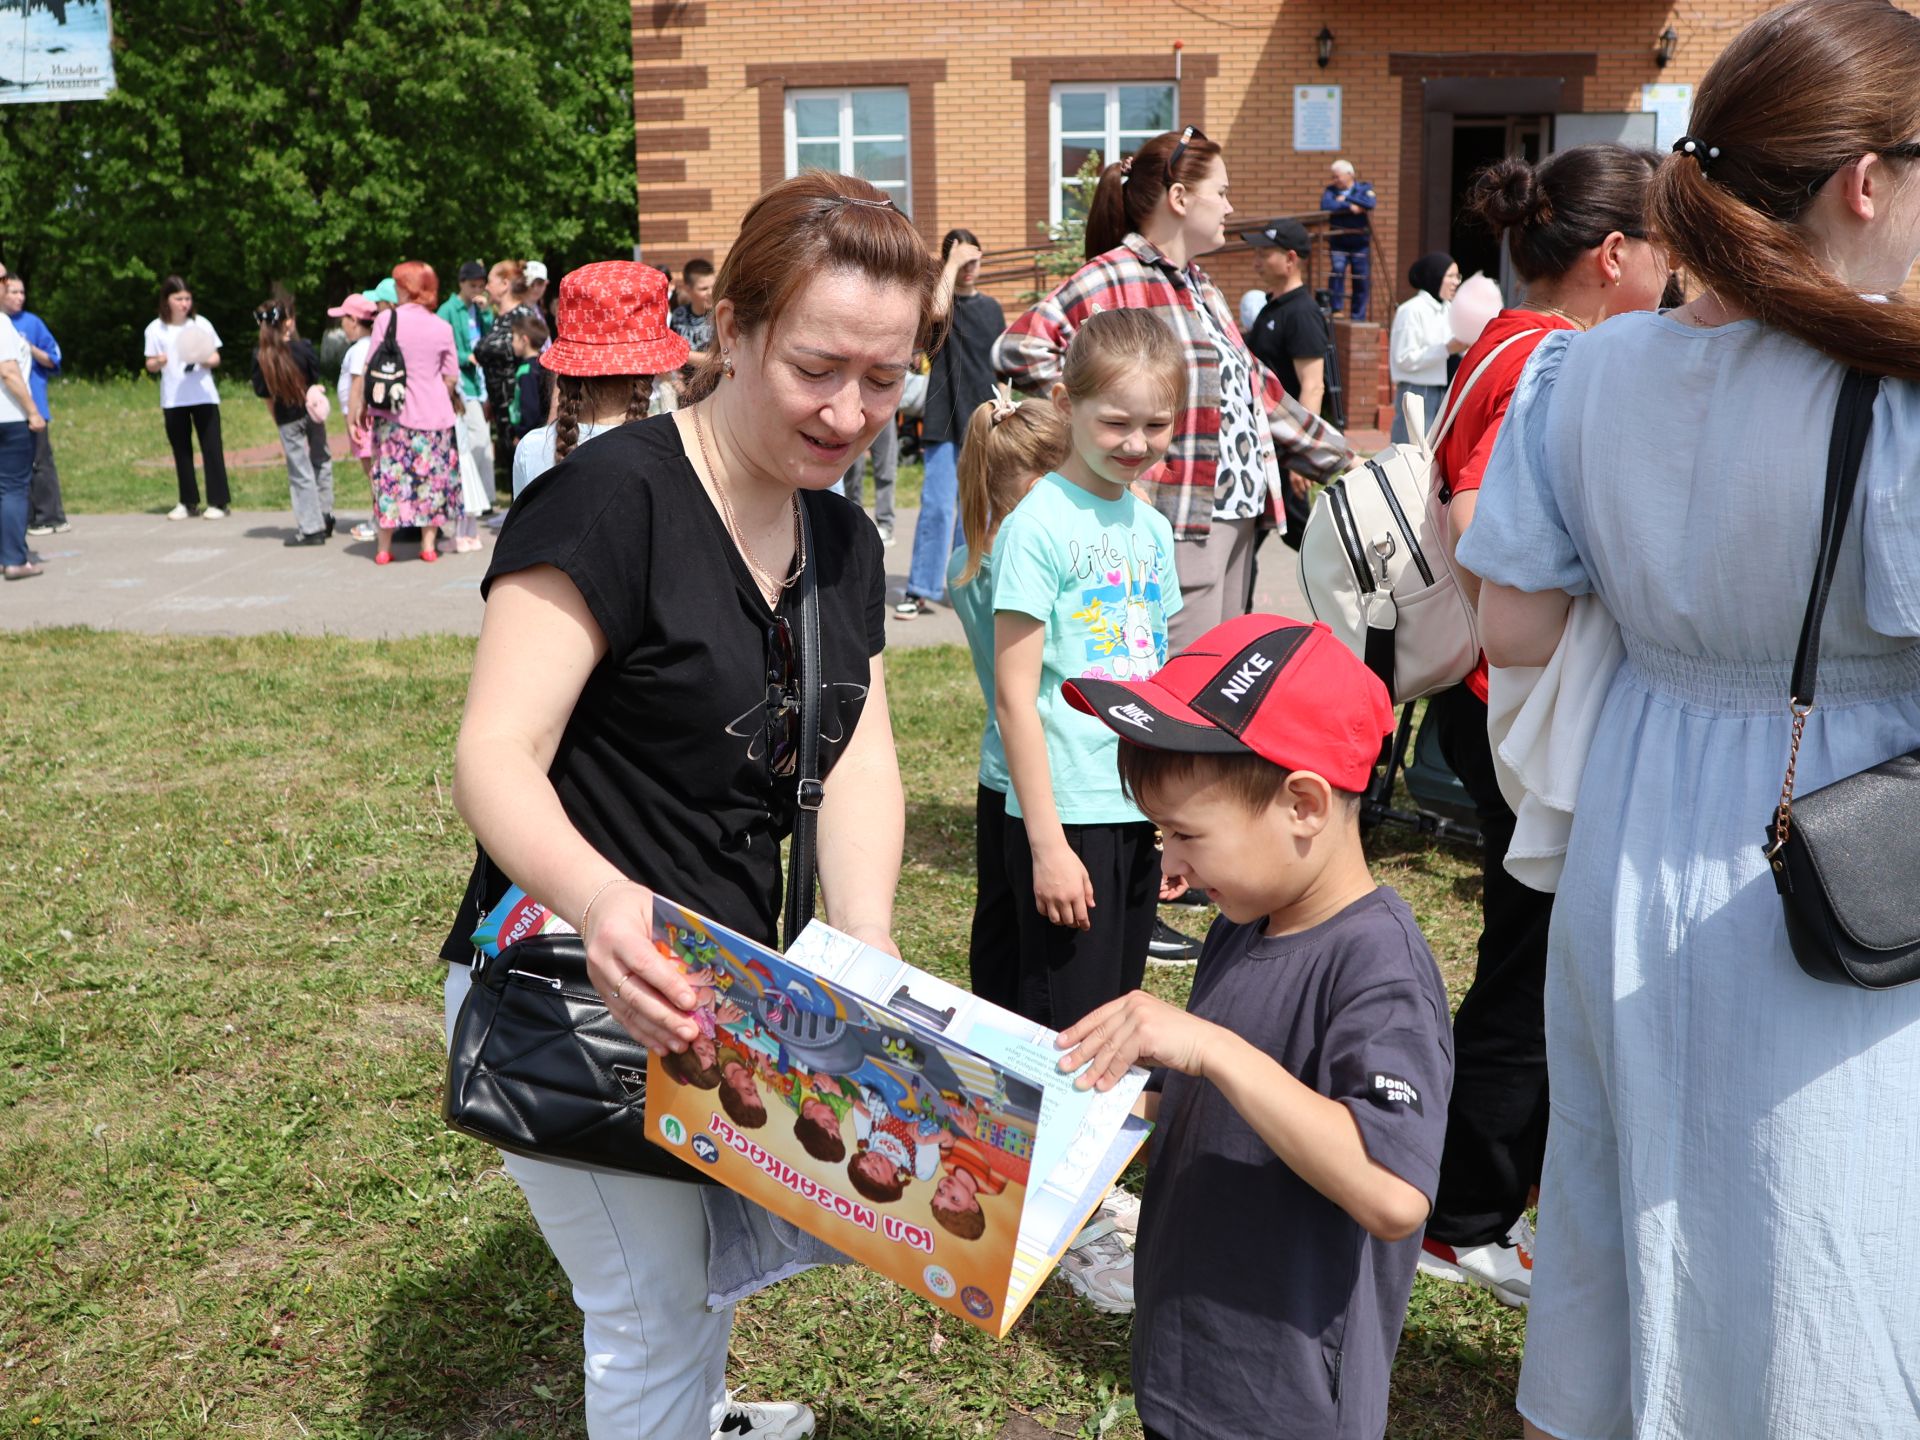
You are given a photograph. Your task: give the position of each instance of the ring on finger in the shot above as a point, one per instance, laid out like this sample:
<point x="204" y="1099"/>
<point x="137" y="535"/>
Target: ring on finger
<point x="619" y="985"/>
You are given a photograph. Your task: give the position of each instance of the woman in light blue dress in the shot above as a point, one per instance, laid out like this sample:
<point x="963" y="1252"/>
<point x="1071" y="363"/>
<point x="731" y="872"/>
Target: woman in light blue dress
<point x="1729" y="1240"/>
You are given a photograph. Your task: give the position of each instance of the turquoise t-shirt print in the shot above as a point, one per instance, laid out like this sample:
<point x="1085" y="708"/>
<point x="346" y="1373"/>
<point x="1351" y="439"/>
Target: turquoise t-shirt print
<point x="1099" y="575"/>
<point x="1122" y="605"/>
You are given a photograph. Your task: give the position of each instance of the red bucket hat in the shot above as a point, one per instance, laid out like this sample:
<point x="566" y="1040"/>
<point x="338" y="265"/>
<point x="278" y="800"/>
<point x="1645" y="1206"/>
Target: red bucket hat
<point x="612" y="320"/>
<point x="1281" y="689"/>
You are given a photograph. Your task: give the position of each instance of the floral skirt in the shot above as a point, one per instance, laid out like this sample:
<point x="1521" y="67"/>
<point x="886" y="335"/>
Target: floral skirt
<point x="416" y="476"/>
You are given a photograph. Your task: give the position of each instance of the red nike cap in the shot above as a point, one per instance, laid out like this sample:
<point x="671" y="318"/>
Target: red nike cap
<point x="1284" y="690"/>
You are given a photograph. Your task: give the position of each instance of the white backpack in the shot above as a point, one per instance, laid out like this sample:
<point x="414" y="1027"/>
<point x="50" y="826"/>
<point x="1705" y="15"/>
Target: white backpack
<point x="1376" y="560"/>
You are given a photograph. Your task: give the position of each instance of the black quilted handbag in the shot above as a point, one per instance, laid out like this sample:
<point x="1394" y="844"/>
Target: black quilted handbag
<point x="537" y="1065"/>
<point x="1846" y="857"/>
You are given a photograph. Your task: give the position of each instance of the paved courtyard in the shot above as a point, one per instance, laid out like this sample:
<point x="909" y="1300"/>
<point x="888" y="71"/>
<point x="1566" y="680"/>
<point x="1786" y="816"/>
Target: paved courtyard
<point x="235" y="577"/>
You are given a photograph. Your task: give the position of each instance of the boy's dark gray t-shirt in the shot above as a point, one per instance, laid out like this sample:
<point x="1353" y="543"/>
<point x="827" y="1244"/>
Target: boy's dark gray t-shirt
<point x="1262" y="1307"/>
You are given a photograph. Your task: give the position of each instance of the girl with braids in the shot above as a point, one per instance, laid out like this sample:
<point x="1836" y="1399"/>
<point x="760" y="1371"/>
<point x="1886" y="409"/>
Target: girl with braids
<point x="613" y="339"/>
<point x="1727" y="1246"/>
<point x="285" y="368"/>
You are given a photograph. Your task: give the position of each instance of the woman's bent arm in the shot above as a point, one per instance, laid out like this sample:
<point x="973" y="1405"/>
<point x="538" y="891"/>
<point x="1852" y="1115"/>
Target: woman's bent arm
<point x="508" y="737"/>
<point x="863" y="825"/>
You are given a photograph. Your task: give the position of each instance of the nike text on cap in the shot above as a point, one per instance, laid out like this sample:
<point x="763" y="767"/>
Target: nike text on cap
<point x="1284" y="690"/>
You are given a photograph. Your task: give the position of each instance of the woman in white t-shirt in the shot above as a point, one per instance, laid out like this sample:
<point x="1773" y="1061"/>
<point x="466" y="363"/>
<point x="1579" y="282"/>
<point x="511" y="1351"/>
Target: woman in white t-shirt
<point x="1421" y="341"/>
<point x="183" y="349"/>
<point x="355" y="315"/>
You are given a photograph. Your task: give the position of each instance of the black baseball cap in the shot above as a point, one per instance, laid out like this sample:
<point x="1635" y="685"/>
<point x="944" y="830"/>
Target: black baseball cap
<point x="1280" y="235"/>
<point x="472" y="270"/>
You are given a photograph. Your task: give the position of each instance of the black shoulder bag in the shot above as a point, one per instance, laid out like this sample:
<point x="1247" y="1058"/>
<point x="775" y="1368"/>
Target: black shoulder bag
<point x="387" y="371"/>
<point x="537" y="1065"/>
<point x="1846" y="858"/>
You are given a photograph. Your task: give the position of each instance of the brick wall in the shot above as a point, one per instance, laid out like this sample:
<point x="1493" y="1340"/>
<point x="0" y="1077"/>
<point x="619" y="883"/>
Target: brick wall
<point x="709" y="80"/>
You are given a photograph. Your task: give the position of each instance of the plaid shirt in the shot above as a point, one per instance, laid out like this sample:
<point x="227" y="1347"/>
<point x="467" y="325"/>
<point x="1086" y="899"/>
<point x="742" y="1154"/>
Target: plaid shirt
<point x="1135" y="276"/>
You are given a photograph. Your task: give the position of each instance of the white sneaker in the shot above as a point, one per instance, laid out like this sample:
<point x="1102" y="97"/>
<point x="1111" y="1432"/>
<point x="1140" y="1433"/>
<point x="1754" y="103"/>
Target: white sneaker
<point x="1099" y="1266"/>
<point x="764" y="1420"/>
<point x="1122" y="1207"/>
<point x="213" y="512"/>
<point x="179" y="512"/>
<point x="39" y="529"/>
<point x="1505" y="1269"/>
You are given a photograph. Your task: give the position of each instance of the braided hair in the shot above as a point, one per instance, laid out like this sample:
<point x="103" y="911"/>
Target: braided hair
<point x="590" y="397"/>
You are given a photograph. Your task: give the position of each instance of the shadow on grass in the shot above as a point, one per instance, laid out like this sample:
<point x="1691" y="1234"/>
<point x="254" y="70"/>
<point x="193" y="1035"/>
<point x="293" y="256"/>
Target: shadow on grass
<point x="940" y="834"/>
<point x="483" y="1343"/>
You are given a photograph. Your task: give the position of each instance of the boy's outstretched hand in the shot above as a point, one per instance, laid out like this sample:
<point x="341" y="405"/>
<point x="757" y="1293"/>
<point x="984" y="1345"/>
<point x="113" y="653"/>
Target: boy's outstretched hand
<point x="1136" y="1029"/>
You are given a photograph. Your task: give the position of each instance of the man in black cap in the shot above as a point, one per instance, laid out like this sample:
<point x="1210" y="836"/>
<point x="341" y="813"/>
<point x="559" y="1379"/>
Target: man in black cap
<point x="1289" y="336"/>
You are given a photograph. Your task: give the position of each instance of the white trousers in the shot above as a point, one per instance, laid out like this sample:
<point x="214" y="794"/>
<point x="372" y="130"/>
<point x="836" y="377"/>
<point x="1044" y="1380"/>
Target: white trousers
<point x="476" y="444"/>
<point x="635" y="1249"/>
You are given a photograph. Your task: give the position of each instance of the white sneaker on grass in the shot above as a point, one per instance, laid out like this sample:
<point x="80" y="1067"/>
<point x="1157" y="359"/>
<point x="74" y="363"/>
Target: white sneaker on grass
<point x="1505" y="1269"/>
<point x="764" y="1420"/>
<point x="1099" y="1266"/>
<point x="1122" y="1207"/>
<point x="179" y="512"/>
<point x="213" y="512"/>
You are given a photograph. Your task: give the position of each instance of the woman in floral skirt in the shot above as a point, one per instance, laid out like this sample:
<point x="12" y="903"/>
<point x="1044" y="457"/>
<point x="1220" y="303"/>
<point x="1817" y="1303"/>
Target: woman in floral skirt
<point x="416" y="456"/>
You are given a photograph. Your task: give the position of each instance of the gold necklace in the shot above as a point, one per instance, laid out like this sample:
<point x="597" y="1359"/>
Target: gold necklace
<point x="1572" y="320"/>
<point x="770" y="588"/>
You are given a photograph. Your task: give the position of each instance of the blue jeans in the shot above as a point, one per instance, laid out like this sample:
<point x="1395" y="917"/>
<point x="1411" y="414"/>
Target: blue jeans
<point x="937" y="532"/>
<point x="1361" y="263"/>
<point x="16" y="476"/>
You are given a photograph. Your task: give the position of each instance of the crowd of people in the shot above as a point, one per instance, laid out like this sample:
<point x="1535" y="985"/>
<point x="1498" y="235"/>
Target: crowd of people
<point x="1638" y="1061"/>
<point x="1708" y="1137"/>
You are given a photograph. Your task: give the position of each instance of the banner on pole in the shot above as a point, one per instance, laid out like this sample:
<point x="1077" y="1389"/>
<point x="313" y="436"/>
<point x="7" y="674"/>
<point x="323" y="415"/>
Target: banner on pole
<point x="55" y="50"/>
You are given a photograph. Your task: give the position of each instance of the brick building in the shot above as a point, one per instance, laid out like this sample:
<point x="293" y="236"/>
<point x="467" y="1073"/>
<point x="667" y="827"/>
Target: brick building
<point x="977" y="114"/>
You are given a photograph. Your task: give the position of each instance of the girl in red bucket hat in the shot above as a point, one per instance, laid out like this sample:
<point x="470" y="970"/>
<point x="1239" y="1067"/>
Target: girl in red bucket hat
<point x="613" y="339"/>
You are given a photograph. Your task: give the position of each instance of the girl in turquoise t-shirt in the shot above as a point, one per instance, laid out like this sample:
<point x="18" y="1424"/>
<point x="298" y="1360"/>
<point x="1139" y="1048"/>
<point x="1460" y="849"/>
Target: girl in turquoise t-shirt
<point x="1084" y="586"/>
<point x="1006" y="448"/>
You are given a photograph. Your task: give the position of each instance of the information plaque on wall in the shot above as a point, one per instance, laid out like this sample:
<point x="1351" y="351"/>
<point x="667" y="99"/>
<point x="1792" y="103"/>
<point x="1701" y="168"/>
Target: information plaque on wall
<point x="1316" y="117"/>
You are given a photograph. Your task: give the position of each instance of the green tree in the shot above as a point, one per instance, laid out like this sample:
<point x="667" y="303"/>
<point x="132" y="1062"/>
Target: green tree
<point x="316" y="145"/>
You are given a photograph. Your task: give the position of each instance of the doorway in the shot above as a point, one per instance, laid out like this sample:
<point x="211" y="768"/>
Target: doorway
<point x="1479" y="141"/>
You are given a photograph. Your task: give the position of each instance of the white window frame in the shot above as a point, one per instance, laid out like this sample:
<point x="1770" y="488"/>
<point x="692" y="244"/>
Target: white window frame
<point x="844" y="95"/>
<point x="1110" y="139"/>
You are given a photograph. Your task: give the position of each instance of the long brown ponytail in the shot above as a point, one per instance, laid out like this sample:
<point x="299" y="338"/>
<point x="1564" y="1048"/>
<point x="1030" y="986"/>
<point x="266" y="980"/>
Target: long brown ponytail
<point x="284" y="382"/>
<point x="1129" y="190"/>
<point x="1800" y="93"/>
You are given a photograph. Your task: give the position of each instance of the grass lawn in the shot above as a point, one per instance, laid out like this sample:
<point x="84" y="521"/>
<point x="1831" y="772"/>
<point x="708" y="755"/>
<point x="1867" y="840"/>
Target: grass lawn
<point x="113" y="454"/>
<point x="230" y="1206"/>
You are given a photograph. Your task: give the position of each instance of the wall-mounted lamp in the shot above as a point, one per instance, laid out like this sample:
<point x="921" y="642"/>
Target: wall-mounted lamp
<point x="1664" y="47"/>
<point x="1323" y="47"/>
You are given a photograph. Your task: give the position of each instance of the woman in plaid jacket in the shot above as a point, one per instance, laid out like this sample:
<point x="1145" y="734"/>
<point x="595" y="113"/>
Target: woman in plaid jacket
<point x="1152" y="213"/>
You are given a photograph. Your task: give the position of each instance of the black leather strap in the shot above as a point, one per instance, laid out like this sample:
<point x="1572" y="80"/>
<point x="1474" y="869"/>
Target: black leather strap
<point x="802" y="852"/>
<point x="1853" y="418"/>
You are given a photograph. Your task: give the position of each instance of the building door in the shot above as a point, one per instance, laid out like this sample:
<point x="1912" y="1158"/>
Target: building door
<point x="1479" y="141"/>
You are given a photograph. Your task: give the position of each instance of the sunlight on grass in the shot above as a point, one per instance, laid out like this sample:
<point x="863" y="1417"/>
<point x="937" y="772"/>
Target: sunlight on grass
<point x="230" y="1204"/>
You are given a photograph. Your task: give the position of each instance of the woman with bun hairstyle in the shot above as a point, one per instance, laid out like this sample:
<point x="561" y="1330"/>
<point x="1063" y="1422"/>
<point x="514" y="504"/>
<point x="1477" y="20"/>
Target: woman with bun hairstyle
<point x="652" y="578"/>
<point x="1576" y="228"/>
<point x="1152" y="214"/>
<point x="1727" y="1244"/>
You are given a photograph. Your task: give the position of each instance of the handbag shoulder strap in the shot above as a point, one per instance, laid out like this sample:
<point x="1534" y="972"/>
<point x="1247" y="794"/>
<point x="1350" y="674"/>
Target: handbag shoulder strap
<point x="802" y="857"/>
<point x="1450" y="411"/>
<point x="1852" y="419"/>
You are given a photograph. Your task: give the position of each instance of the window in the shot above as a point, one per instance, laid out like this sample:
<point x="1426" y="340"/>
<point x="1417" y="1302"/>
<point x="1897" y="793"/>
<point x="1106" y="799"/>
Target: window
<point x="1115" y="120"/>
<point x="855" y="132"/>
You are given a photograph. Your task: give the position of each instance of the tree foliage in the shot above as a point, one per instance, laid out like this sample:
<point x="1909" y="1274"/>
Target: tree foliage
<point x="315" y="145"/>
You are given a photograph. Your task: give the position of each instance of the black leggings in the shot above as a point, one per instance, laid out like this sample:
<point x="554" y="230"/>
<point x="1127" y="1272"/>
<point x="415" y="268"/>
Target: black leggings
<point x="182" y="421"/>
<point x="1497" y="1117"/>
<point x="993" y="946"/>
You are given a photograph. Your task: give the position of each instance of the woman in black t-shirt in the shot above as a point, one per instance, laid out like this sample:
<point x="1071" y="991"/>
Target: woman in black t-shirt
<point x="285" y="368"/>
<point x="631" y="723"/>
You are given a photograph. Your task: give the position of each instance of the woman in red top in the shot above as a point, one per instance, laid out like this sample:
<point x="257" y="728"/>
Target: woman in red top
<point x="1575" y="226"/>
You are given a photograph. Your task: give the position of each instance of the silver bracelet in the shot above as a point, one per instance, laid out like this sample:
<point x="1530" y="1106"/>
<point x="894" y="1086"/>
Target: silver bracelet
<point x="588" y="910"/>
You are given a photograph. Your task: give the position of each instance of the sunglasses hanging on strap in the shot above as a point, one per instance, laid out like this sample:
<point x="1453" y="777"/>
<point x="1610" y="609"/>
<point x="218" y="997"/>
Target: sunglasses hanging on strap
<point x="1845" y="857"/>
<point x="537" y="1065"/>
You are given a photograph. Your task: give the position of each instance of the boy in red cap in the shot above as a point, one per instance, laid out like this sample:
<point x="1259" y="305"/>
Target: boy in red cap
<point x="1303" y="1092"/>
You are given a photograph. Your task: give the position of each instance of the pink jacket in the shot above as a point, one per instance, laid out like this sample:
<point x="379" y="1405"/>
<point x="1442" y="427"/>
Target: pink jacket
<point x="426" y="345"/>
